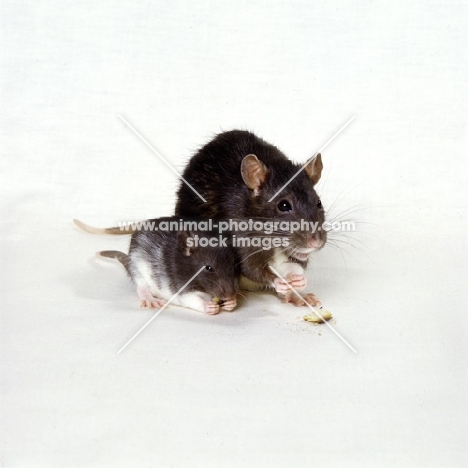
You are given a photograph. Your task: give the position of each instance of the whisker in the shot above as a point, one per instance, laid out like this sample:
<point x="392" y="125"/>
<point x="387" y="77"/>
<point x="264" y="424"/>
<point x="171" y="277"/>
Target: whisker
<point x="340" y="250"/>
<point x="355" y="221"/>
<point x="341" y="196"/>
<point x="253" y="253"/>
<point x="360" y="250"/>
<point x="355" y="209"/>
<point x="348" y="236"/>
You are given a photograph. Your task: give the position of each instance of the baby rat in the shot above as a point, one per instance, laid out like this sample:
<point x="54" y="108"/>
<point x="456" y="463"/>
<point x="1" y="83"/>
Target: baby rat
<point x="161" y="262"/>
<point x="238" y="173"/>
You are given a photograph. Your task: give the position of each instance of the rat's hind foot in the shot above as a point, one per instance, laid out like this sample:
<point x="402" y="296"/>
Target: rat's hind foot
<point x="154" y="303"/>
<point x="305" y="299"/>
<point x="148" y="300"/>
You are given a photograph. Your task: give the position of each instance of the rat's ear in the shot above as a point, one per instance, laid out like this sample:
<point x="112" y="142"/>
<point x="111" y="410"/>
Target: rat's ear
<point x="314" y="169"/>
<point x="186" y="242"/>
<point x="254" y="172"/>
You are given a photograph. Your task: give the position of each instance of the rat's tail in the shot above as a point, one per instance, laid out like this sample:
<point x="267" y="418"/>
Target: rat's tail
<point x="120" y="256"/>
<point x="127" y="229"/>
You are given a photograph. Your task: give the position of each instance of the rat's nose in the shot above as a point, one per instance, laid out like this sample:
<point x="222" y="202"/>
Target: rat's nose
<point x="314" y="243"/>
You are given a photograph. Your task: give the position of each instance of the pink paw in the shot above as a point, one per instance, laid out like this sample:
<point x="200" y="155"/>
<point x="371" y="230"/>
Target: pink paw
<point x="148" y="300"/>
<point x="298" y="282"/>
<point x="152" y="303"/>
<point x="305" y="299"/>
<point x="229" y="305"/>
<point x="211" y="308"/>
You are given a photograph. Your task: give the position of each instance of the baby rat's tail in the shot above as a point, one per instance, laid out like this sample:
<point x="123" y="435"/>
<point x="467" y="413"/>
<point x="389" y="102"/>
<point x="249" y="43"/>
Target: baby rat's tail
<point x="120" y="256"/>
<point x="127" y="229"/>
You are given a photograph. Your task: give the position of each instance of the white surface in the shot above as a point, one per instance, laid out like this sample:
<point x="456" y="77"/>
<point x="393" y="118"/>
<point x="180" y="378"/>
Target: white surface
<point x="257" y="387"/>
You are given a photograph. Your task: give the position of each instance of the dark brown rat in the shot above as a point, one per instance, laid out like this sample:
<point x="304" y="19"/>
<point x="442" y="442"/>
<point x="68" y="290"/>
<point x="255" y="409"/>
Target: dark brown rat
<point x="161" y="262"/>
<point x="238" y="173"/>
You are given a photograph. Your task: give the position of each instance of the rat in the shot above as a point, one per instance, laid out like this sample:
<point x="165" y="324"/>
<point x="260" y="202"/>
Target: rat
<point x="161" y="262"/>
<point x="238" y="173"/>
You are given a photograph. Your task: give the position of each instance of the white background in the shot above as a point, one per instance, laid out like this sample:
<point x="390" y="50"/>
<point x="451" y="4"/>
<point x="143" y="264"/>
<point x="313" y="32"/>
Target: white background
<point x="258" y="387"/>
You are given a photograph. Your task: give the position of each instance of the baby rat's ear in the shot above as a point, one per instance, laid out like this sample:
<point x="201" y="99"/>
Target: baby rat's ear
<point x="314" y="169"/>
<point x="253" y="172"/>
<point x="186" y="242"/>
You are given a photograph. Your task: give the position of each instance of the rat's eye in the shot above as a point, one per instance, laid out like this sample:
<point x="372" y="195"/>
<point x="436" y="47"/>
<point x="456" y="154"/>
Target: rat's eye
<point x="284" y="205"/>
<point x="319" y="204"/>
<point x="209" y="268"/>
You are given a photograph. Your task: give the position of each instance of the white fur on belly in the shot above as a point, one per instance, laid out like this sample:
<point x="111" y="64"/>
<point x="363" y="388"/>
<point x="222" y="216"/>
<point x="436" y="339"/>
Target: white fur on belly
<point x="145" y="277"/>
<point x="281" y="263"/>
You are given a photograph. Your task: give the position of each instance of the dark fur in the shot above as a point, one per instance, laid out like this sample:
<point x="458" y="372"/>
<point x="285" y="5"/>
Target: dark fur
<point x="169" y="258"/>
<point x="215" y="172"/>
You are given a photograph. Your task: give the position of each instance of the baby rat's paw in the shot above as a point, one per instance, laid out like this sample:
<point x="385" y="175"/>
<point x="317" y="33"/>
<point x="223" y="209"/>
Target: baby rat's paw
<point x="211" y="308"/>
<point x="148" y="300"/>
<point x="297" y="282"/>
<point x="229" y="305"/>
<point x="152" y="302"/>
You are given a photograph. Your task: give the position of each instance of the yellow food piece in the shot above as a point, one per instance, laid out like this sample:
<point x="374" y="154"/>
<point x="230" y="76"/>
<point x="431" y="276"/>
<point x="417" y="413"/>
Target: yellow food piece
<point x="216" y="300"/>
<point x="316" y="319"/>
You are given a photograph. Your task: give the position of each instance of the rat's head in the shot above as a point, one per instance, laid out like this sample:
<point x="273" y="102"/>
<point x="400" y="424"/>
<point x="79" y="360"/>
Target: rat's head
<point x="294" y="200"/>
<point x="220" y="274"/>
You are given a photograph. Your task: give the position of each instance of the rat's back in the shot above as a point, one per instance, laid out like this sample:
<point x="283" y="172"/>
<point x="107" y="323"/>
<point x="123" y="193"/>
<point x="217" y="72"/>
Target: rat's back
<point x="215" y="172"/>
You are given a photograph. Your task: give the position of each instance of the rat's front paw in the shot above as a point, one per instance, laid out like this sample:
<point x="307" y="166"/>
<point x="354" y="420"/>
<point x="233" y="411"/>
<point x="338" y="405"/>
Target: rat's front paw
<point x="229" y="305"/>
<point x="297" y="282"/>
<point x="211" y="308"/>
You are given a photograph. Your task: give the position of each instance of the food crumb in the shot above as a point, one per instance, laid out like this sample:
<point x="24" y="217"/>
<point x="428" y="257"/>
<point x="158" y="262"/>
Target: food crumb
<point x="314" y="318"/>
